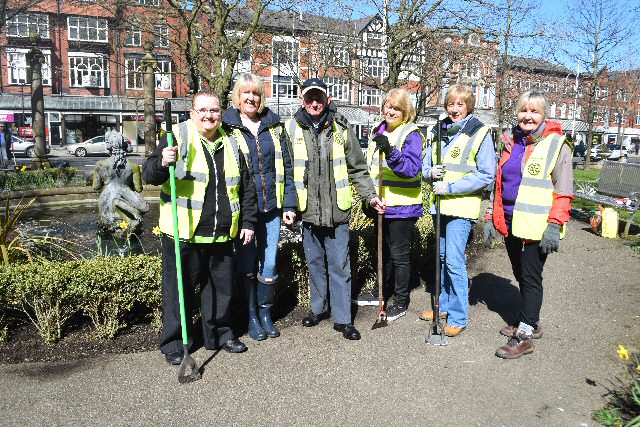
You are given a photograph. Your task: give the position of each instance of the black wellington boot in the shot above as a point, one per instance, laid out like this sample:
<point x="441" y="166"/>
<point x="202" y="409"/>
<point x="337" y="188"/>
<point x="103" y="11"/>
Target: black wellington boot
<point x="266" y="294"/>
<point x="256" y="332"/>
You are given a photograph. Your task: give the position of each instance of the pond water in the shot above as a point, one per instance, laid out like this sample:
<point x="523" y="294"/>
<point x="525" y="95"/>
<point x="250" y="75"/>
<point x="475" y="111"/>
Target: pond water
<point x="78" y="225"/>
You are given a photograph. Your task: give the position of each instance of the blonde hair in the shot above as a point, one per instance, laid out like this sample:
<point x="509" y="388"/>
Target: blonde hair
<point x="463" y="92"/>
<point x="535" y="98"/>
<point x="254" y="83"/>
<point x="401" y="99"/>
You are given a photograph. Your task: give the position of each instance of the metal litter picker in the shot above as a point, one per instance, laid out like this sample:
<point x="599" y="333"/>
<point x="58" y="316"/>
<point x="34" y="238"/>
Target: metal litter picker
<point x="436" y="334"/>
<point x="188" y="363"/>
<point x="381" y="320"/>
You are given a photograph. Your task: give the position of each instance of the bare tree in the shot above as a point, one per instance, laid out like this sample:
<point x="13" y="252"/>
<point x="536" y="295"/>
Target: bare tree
<point x="511" y="23"/>
<point x="598" y="35"/>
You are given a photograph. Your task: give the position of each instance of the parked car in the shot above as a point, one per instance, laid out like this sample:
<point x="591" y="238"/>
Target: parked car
<point x="616" y="152"/>
<point x="580" y="149"/>
<point x="21" y="146"/>
<point x="95" y="145"/>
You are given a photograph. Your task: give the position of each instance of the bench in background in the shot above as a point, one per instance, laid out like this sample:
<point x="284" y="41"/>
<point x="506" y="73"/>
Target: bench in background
<point x="617" y="181"/>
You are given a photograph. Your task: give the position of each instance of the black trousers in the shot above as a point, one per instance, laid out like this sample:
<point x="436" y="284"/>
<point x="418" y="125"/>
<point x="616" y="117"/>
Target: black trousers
<point x="397" y="235"/>
<point x="527" y="262"/>
<point x="211" y="266"/>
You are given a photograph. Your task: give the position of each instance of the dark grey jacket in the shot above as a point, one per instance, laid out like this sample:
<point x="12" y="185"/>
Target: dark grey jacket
<point x="322" y="205"/>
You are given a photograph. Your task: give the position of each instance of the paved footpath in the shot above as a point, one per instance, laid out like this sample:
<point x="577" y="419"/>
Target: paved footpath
<point x="313" y="377"/>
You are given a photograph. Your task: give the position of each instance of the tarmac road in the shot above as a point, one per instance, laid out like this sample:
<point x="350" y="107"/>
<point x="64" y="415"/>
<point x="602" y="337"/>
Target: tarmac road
<point x="312" y="376"/>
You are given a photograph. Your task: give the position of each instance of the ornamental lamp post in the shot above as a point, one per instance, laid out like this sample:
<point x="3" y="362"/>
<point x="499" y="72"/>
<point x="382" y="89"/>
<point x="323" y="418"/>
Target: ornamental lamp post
<point x="149" y="64"/>
<point x="36" y="58"/>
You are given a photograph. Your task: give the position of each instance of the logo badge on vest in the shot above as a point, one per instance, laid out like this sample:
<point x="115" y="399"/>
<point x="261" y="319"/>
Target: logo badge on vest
<point x="455" y="152"/>
<point x="534" y="169"/>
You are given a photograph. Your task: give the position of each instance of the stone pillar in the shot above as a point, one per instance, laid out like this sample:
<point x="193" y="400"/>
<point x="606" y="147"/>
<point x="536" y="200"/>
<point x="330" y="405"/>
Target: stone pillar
<point x="149" y="64"/>
<point x="35" y="57"/>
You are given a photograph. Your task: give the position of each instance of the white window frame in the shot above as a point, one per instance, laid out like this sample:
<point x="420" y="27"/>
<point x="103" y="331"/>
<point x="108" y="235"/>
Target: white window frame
<point x="132" y="73"/>
<point x="162" y="76"/>
<point x="371" y="97"/>
<point x="18" y="66"/>
<point x="79" y="24"/>
<point x="335" y="54"/>
<point x="638" y="118"/>
<point x="161" y="36"/>
<point x="151" y="3"/>
<point x="21" y="24"/>
<point x="97" y="70"/>
<point x="376" y="67"/>
<point x="337" y="88"/>
<point x="283" y="87"/>
<point x="287" y="50"/>
<point x="555" y="87"/>
<point x="133" y="36"/>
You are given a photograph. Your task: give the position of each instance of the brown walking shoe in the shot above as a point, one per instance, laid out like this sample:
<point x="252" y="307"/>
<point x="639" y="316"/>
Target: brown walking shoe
<point x="452" y="331"/>
<point x="509" y="331"/>
<point x="428" y="315"/>
<point x="517" y="345"/>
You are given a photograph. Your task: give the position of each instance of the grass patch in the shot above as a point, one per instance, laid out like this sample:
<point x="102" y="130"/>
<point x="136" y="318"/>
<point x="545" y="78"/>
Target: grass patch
<point x="590" y="175"/>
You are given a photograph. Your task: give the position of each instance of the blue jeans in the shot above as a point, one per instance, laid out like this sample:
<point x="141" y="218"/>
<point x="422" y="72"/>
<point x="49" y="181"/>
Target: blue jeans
<point x="327" y="252"/>
<point x="454" y="297"/>
<point x="264" y="245"/>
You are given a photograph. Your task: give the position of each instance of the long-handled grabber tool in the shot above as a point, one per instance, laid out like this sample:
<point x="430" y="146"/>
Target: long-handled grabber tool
<point x="381" y="320"/>
<point x="188" y="363"/>
<point x="436" y="334"/>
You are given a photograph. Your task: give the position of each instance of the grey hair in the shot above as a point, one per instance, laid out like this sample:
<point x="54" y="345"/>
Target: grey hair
<point x="535" y="98"/>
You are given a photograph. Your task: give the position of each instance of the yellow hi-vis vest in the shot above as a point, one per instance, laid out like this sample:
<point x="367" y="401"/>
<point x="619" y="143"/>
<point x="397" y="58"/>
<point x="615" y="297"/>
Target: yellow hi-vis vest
<point x="535" y="195"/>
<point x="459" y="161"/>
<point x="279" y="161"/>
<point x="396" y="191"/>
<point x="192" y="178"/>
<point x="338" y="159"/>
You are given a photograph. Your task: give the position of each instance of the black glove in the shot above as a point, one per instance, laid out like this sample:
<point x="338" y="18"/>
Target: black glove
<point x="382" y="144"/>
<point x="550" y="239"/>
<point x="489" y="233"/>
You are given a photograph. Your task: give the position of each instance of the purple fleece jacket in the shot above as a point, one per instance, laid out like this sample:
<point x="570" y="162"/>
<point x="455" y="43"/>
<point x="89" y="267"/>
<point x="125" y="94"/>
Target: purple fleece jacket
<point x="405" y="163"/>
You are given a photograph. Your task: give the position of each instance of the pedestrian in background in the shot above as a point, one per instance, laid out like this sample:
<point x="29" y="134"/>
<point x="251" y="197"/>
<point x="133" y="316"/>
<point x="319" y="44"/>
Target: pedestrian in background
<point x="532" y="199"/>
<point x="401" y="142"/>
<point x="263" y="141"/>
<point x="468" y="166"/>
<point x="5" y="146"/>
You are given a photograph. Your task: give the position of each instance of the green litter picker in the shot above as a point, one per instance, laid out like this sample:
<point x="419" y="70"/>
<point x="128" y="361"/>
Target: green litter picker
<point x="188" y="363"/>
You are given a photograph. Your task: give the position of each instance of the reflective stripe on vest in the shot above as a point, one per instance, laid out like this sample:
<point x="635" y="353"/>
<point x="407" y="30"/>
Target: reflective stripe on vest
<point x="279" y="160"/>
<point x="396" y="191"/>
<point x="192" y="179"/>
<point x="535" y="195"/>
<point x="459" y="161"/>
<point x="301" y="163"/>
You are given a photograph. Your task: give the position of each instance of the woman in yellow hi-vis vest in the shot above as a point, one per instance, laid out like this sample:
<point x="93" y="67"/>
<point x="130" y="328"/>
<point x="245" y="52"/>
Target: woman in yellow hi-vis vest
<point x="216" y="201"/>
<point x="264" y="143"/>
<point x="401" y="142"/>
<point x="468" y="166"/>
<point x="532" y="199"/>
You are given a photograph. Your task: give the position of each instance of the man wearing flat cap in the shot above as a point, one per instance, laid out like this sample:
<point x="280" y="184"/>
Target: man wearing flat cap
<point x="326" y="159"/>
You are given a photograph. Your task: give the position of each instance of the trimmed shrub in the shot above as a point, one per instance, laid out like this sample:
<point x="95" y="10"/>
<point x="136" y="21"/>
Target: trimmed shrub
<point x="44" y="293"/>
<point x="41" y="179"/>
<point x="105" y="289"/>
<point x="109" y="287"/>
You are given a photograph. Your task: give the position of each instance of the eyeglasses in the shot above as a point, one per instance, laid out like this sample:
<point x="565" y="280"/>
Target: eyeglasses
<point x="204" y="111"/>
